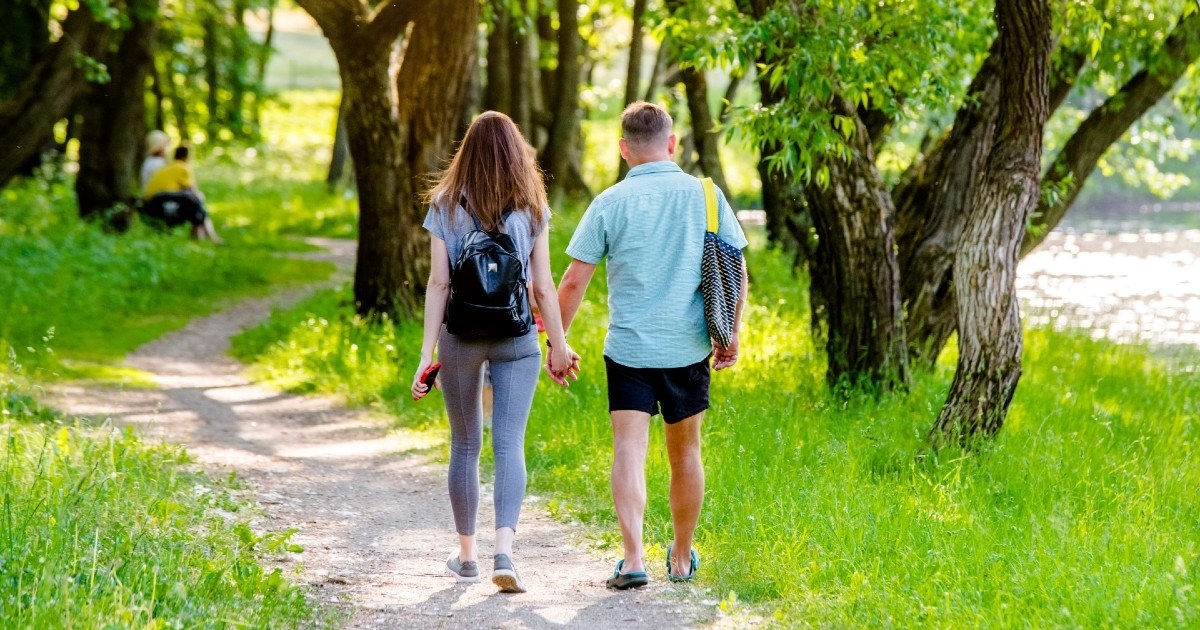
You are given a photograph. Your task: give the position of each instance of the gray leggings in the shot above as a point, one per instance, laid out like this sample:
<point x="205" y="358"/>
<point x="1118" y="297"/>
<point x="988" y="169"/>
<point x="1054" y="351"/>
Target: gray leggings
<point x="515" y="364"/>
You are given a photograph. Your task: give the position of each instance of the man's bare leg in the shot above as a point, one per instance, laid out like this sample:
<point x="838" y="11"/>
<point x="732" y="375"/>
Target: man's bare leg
<point x="631" y="434"/>
<point x="687" y="487"/>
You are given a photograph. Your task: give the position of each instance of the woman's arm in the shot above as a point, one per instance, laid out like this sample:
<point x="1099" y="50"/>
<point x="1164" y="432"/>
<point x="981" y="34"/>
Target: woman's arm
<point x="547" y="298"/>
<point x="437" y="292"/>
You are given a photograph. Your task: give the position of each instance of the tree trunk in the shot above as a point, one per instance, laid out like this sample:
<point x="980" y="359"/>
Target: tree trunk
<point x="705" y="137"/>
<point x="114" y="123"/>
<point x="563" y="147"/>
<point x="855" y="268"/>
<point x="522" y="61"/>
<point x="930" y="203"/>
<point x="442" y="47"/>
<point x="212" y="76"/>
<point x="156" y="90"/>
<point x="546" y="33"/>
<point x="27" y="117"/>
<point x="633" y="72"/>
<point x="498" y="94"/>
<point x="239" y="75"/>
<point x="932" y="196"/>
<point x="26" y="37"/>
<point x="339" y="162"/>
<point x="263" y="58"/>
<point x="985" y="264"/>
<point x="1105" y="125"/>
<point x="399" y="127"/>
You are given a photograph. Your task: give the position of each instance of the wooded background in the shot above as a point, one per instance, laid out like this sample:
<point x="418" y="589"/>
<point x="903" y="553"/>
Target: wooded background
<point x="909" y="152"/>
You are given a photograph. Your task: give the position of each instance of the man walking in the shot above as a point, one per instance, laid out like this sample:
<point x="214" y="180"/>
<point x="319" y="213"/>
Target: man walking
<point x="651" y="228"/>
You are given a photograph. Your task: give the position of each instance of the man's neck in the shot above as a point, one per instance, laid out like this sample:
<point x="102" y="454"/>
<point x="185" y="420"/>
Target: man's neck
<point x="634" y="161"/>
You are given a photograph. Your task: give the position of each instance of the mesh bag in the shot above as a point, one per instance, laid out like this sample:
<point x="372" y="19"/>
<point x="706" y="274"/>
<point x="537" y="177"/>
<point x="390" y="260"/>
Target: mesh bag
<point x="720" y="275"/>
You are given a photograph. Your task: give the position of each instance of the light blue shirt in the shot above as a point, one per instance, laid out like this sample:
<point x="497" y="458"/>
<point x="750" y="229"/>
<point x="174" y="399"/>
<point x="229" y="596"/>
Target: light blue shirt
<point x="651" y="228"/>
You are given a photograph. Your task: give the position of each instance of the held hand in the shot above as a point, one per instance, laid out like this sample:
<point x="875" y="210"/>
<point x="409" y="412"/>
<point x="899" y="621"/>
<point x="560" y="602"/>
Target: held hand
<point x="419" y="389"/>
<point x="562" y="364"/>
<point x="725" y="357"/>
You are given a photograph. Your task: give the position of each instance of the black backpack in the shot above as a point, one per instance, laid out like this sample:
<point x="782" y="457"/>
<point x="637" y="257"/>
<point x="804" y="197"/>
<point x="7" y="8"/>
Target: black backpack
<point x="488" y="294"/>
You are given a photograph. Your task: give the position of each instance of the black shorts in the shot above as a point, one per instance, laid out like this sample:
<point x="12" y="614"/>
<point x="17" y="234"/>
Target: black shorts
<point x="679" y="392"/>
<point x="170" y="209"/>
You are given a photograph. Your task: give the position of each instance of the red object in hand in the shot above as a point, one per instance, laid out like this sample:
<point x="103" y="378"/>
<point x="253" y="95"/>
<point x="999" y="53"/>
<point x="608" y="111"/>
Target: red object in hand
<point x="428" y="377"/>
<point x="541" y="327"/>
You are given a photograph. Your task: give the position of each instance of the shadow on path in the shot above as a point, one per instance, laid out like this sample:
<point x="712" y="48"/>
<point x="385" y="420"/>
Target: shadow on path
<point x="373" y="517"/>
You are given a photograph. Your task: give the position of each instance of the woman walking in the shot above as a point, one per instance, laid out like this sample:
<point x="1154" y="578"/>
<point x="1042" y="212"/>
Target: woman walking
<point x="492" y="186"/>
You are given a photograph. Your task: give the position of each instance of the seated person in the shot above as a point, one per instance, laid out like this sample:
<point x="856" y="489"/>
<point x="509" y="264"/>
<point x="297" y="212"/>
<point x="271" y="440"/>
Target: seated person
<point x="156" y="155"/>
<point x="172" y="197"/>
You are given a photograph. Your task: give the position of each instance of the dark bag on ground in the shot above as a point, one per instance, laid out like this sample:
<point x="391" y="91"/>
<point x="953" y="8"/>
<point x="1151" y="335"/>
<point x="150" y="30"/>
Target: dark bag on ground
<point x="169" y="209"/>
<point x="488" y="294"/>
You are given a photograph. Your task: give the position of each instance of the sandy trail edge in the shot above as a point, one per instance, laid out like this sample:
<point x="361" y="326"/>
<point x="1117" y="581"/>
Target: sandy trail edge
<point x="373" y="518"/>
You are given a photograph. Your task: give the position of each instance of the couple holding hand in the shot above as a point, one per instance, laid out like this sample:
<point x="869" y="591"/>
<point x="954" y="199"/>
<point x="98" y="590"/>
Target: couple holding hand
<point x="651" y="229"/>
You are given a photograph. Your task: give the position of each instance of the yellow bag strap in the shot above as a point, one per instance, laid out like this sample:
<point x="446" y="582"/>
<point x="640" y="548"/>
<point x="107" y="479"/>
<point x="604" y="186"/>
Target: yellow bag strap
<point x="710" y="202"/>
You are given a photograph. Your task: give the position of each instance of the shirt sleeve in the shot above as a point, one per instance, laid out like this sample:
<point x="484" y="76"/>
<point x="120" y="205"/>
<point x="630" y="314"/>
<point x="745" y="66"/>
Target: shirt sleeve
<point x="729" y="229"/>
<point x="433" y="223"/>
<point x="589" y="243"/>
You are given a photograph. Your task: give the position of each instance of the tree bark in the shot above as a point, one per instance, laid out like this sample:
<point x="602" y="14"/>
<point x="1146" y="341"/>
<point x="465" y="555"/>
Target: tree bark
<point x="633" y="72"/>
<point x="212" y="75"/>
<point x="114" y="123"/>
<point x="522" y="60"/>
<point x="985" y="264"/>
<point x="563" y="147"/>
<point x="339" y="162"/>
<point x="498" y="93"/>
<point x="705" y="138"/>
<point x="27" y="117"/>
<point x="932" y="195"/>
<point x="399" y="128"/>
<point x="930" y="202"/>
<point x="26" y="37"/>
<point x="855" y="268"/>
<point x="1105" y="125"/>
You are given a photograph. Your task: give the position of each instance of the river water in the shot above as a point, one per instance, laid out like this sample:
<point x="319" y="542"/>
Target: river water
<point x="1125" y="272"/>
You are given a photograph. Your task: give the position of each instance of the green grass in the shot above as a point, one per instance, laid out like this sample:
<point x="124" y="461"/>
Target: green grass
<point x="78" y="299"/>
<point x="98" y="529"/>
<point x="101" y="530"/>
<point x="77" y="296"/>
<point x="828" y="512"/>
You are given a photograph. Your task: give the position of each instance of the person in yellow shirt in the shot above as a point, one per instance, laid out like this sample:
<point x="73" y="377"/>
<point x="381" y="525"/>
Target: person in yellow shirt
<point x="172" y="198"/>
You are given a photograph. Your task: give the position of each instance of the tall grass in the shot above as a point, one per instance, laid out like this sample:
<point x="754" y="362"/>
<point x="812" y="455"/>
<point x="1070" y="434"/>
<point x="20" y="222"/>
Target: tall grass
<point x="832" y="512"/>
<point x="98" y="529"/>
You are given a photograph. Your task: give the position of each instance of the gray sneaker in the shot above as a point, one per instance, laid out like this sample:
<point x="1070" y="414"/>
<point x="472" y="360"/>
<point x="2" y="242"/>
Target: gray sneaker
<point x="462" y="571"/>
<point x="504" y="575"/>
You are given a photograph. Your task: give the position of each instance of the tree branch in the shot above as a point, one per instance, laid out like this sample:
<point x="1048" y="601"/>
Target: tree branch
<point x="1109" y="122"/>
<point x="391" y="18"/>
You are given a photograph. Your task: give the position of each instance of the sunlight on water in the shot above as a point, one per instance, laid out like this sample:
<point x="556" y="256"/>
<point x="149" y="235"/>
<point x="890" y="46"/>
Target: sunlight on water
<point x="1120" y="284"/>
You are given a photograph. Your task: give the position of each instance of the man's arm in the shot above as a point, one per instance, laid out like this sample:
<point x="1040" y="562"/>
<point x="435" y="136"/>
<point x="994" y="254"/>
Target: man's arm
<point x="571" y="289"/>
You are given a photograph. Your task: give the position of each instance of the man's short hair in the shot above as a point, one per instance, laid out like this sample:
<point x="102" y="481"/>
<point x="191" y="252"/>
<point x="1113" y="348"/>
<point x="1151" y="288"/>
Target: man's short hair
<point x="644" y="124"/>
<point x="181" y="153"/>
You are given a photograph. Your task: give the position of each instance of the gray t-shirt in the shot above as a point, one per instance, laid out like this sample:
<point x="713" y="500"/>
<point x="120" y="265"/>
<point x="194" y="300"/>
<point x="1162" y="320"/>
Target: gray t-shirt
<point x="518" y="225"/>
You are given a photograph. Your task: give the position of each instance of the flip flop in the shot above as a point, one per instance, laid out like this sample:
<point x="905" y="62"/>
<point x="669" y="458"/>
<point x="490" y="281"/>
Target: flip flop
<point x="695" y="556"/>
<point x="623" y="581"/>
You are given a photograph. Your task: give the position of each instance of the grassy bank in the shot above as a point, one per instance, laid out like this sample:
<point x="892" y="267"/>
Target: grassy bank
<point x="100" y="530"/>
<point x="77" y="299"/>
<point x="823" y="511"/>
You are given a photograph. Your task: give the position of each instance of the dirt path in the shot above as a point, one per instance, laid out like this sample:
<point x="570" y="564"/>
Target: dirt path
<point x="372" y="516"/>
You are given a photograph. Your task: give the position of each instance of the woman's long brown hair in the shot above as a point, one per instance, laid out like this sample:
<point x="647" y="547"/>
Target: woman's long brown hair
<point x="495" y="169"/>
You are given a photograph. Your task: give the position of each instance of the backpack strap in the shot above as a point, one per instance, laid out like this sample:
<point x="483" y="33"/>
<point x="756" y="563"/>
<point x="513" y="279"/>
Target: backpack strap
<point x="462" y="200"/>
<point x="710" y="204"/>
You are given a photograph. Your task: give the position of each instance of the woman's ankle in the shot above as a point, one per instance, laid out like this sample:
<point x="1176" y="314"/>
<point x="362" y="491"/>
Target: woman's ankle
<point x="467" y="550"/>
